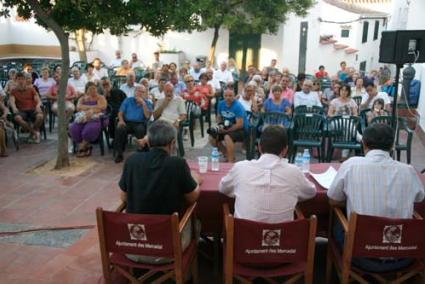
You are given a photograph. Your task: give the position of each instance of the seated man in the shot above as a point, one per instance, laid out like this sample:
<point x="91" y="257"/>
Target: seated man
<point x="26" y="107"/>
<point x="306" y="97"/>
<point x="170" y="108"/>
<point x="232" y="122"/>
<point x="71" y="94"/>
<point x="129" y="86"/>
<point x="376" y="185"/>
<point x="155" y="182"/>
<point x="268" y="189"/>
<point x="371" y="95"/>
<point x="114" y="97"/>
<point x="77" y="81"/>
<point x="132" y="117"/>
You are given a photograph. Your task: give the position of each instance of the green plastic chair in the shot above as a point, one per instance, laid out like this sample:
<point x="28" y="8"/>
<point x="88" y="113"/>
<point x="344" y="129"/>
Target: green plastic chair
<point x="399" y="144"/>
<point x="117" y="81"/>
<point x="305" y="109"/>
<point x="342" y="134"/>
<point x="307" y="132"/>
<point x="358" y="100"/>
<point x="140" y="73"/>
<point x="251" y="137"/>
<point x="325" y="83"/>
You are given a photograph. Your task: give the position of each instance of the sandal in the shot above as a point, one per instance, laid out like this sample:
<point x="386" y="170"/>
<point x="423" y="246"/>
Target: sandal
<point x="88" y="151"/>
<point x="82" y="153"/>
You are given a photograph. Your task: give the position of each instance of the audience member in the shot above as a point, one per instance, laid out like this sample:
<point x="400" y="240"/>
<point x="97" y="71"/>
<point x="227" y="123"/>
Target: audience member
<point x="160" y="195"/>
<point x="321" y="73"/>
<point x="44" y="83"/>
<point x="114" y="98"/>
<point x="11" y="83"/>
<point x="272" y="67"/>
<point x="90" y="76"/>
<point x="116" y="62"/>
<point x="70" y="95"/>
<point x="287" y="93"/>
<point x="179" y="86"/>
<point x="343" y="72"/>
<point x="98" y="69"/>
<point x="371" y="95"/>
<point x="157" y="62"/>
<point x="196" y="71"/>
<point x="306" y="97"/>
<point x="28" y="70"/>
<point x="136" y="62"/>
<point x="26" y="108"/>
<point x="77" y="81"/>
<point x="232" y="120"/>
<point x="268" y="189"/>
<point x="376" y="185"/>
<point x="132" y="118"/>
<point x="223" y="75"/>
<point x="378" y="109"/>
<point x="358" y="89"/>
<point x="87" y="124"/>
<point x="249" y="74"/>
<point x="158" y="91"/>
<point x="129" y="86"/>
<point x="329" y="94"/>
<point x="233" y="68"/>
<point x="248" y="99"/>
<point x="124" y="69"/>
<point x="193" y="94"/>
<point x="170" y="108"/>
<point x="275" y="102"/>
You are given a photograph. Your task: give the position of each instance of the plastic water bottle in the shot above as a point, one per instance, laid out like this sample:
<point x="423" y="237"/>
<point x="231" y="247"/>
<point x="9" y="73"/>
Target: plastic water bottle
<point x="299" y="161"/>
<point x="306" y="161"/>
<point x="215" y="160"/>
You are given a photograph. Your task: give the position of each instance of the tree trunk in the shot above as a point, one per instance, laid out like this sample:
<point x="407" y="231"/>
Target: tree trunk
<point x="62" y="159"/>
<point x="80" y="38"/>
<point x="211" y="56"/>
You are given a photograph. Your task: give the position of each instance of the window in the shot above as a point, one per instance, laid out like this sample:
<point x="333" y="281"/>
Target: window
<point x="345" y="33"/>
<point x="376" y="31"/>
<point x="365" y="31"/>
<point x="362" y="67"/>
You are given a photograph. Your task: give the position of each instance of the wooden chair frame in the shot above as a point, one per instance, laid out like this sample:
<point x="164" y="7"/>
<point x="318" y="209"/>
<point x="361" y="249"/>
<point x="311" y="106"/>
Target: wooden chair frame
<point x="176" y="273"/>
<point x="344" y="270"/>
<point x="228" y="253"/>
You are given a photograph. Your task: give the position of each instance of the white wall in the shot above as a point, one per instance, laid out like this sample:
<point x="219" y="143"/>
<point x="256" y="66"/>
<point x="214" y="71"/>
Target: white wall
<point x="194" y="44"/>
<point x="415" y="21"/>
<point x="271" y="48"/>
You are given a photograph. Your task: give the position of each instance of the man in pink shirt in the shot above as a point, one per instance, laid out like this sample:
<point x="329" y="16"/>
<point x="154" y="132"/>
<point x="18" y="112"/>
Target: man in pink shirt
<point x="287" y="93"/>
<point x="268" y="189"/>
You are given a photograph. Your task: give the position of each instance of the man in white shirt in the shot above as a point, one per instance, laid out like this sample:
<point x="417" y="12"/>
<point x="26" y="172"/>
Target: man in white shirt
<point x="98" y="70"/>
<point x="306" y="96"/>
<point x="196" y="71"/>
<point x="376" y="185"/>
<point x="130" y="86"/>
<point x="371" y="95"/>
<point x="222" y="74"/>
<point x="135" y="62"/>
<point x="171" y="108"/>
<point x="117" y="61"/>
<point x="268" y="189"/>
<point x="212" y="81"/>
<point x="77" y="81"/>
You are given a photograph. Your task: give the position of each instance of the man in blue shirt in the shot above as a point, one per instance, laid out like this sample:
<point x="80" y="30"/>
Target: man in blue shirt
<point x="232" y="122"/>
<point x="132" y="118"/>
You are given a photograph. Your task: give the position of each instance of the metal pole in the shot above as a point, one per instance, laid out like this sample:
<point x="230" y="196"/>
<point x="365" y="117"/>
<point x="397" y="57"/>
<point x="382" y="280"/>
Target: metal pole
<point x="397" y="79"/>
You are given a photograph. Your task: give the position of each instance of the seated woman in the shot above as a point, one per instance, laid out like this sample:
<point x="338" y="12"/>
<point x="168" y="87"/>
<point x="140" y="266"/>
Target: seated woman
<point x="378" y="109"/>
<point x="275" y="103"/>
<point x="193" y="94"/>
<point x="344" y="105"/>
<point x="86" y="126"/>
<point x="70" y="95"/>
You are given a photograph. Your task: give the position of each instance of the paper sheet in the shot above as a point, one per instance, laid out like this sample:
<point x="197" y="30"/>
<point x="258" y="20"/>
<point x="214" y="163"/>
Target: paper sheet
<point x="325" y="179"/>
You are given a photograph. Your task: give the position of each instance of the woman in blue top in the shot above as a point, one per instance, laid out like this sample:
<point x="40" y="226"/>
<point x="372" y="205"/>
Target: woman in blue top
<point x="276" y="103"/>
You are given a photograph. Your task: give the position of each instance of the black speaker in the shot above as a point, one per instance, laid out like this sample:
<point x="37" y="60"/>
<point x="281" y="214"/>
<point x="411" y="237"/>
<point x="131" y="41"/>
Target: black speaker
<point x="399" y="47"/>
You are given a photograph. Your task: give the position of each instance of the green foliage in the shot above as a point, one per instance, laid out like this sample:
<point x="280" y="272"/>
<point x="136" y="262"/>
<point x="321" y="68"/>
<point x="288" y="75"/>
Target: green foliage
<point x="249" y="16"/>
<point x="155" y="16"/>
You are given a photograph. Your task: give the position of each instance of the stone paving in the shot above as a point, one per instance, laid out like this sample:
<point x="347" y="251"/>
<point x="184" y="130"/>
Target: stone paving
<point x="30" y="201"/>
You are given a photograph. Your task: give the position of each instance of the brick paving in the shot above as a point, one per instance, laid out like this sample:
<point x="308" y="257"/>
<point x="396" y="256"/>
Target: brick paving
<point x="42" y="201"/>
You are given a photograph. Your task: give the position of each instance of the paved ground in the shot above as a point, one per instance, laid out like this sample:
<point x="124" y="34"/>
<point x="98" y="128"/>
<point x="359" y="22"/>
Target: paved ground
<point x="30" y="201"/>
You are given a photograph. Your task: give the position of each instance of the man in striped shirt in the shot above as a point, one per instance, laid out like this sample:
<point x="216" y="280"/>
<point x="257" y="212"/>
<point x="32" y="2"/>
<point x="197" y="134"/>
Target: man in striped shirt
<point x="376" y="185"/>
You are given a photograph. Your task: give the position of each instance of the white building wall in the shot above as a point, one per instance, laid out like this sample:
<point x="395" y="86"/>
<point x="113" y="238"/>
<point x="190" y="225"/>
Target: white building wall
<point x="271" y="48"/>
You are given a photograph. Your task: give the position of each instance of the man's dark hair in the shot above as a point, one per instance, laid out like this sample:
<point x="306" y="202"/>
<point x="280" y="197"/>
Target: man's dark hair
<point x="379" y="136"/>
<point x="301" y="76"/>
<point x="89" y="66"/>
<point x="369" y="84"/>
<point x="20" y="75"/>
<point x="273" y="140"/>
<point x="321" y="66"/>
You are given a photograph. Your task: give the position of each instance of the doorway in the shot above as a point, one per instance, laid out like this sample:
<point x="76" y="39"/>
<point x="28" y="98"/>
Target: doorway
<point x="245" y="49"/>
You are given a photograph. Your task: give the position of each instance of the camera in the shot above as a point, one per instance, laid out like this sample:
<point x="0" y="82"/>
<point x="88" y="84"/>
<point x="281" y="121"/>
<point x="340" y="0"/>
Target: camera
<point x="213" y="131"/>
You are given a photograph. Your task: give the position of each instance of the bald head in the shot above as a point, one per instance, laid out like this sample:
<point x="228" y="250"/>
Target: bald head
<point x="168" y="90"/>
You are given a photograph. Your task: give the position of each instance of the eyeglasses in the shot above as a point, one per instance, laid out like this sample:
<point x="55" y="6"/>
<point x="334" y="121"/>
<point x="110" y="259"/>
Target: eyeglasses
<point x="190" y="81"/>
